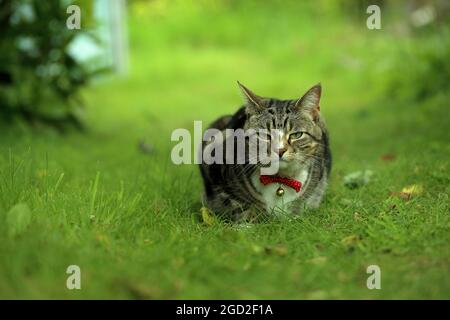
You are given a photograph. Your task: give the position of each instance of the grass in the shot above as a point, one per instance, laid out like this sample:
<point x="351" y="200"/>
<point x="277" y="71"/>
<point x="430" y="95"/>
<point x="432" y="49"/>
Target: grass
<point x="131" y="220"/>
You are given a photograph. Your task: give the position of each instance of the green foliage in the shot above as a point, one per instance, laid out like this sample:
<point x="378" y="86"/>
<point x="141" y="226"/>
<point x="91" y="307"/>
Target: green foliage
<point x="423" y="70"/>
<point x="39" y="79"/>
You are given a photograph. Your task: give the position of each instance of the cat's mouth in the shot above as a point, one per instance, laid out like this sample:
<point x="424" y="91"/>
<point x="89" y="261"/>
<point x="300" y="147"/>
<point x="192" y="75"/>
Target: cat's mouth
<point x="281" y="164"/>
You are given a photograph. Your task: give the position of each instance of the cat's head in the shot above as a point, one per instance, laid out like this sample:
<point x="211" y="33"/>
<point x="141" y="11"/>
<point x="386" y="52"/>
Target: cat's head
<point x="292" y="128"/>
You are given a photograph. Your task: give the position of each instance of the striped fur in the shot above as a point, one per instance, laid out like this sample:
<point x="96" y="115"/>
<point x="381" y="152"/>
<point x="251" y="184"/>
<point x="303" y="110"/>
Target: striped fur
<point x="234" y="191"/>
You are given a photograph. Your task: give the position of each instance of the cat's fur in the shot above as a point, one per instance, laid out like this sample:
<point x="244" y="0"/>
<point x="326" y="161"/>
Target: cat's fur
<point x="234" y="191"/>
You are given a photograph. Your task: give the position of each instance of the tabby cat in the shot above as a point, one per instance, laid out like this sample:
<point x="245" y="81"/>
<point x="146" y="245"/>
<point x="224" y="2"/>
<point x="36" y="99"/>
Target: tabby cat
<point x="239" y="191"/>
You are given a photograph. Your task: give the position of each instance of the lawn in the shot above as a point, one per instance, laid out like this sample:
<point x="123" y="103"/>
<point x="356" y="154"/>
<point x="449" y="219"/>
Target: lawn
<point x="130" y="219"/>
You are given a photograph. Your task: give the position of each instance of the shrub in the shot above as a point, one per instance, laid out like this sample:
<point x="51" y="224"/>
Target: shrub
<point x="39" y="80"/>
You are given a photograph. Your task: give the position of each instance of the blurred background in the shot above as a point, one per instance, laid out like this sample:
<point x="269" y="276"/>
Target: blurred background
<point x="170" y="52"/>
<point x="86" y="117"/>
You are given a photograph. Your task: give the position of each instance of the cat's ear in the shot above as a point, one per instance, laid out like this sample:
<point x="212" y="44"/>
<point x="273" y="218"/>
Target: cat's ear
<point x="254" y="102"/>
<point x="310" y="101"/>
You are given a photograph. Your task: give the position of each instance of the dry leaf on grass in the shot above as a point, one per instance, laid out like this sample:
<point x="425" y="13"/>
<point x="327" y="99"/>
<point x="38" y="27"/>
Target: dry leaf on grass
<point x="388" y="157"/>
<point x="408" y="192"/>
<point x="207" y="217"/>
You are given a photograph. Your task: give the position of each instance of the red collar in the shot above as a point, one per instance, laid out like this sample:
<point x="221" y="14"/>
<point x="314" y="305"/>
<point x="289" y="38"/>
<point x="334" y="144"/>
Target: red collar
<point x="294" y="184"/>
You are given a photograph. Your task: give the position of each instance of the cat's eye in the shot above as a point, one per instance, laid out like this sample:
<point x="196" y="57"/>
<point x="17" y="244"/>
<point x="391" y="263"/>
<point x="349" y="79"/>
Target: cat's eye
<point x="295" y="135"/>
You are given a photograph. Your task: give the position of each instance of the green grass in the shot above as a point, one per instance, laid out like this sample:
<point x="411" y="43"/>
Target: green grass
<point x="131" y="220"/>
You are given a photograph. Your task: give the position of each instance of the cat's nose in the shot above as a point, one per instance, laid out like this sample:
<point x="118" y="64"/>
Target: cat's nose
<point x="281" y="151"/>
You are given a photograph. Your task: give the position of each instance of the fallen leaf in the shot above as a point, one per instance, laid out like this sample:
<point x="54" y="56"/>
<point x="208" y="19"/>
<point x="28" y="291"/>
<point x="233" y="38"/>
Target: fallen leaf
<point x="18" y="219"/>
<point x="208" y="218"/>
<point x="408" y="192"/>
<point x="413" y="189"/>
<point x="388" y="157"/>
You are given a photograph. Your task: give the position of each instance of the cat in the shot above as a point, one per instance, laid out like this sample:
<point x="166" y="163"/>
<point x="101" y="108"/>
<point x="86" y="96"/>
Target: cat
<point x="240" y="192"/>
